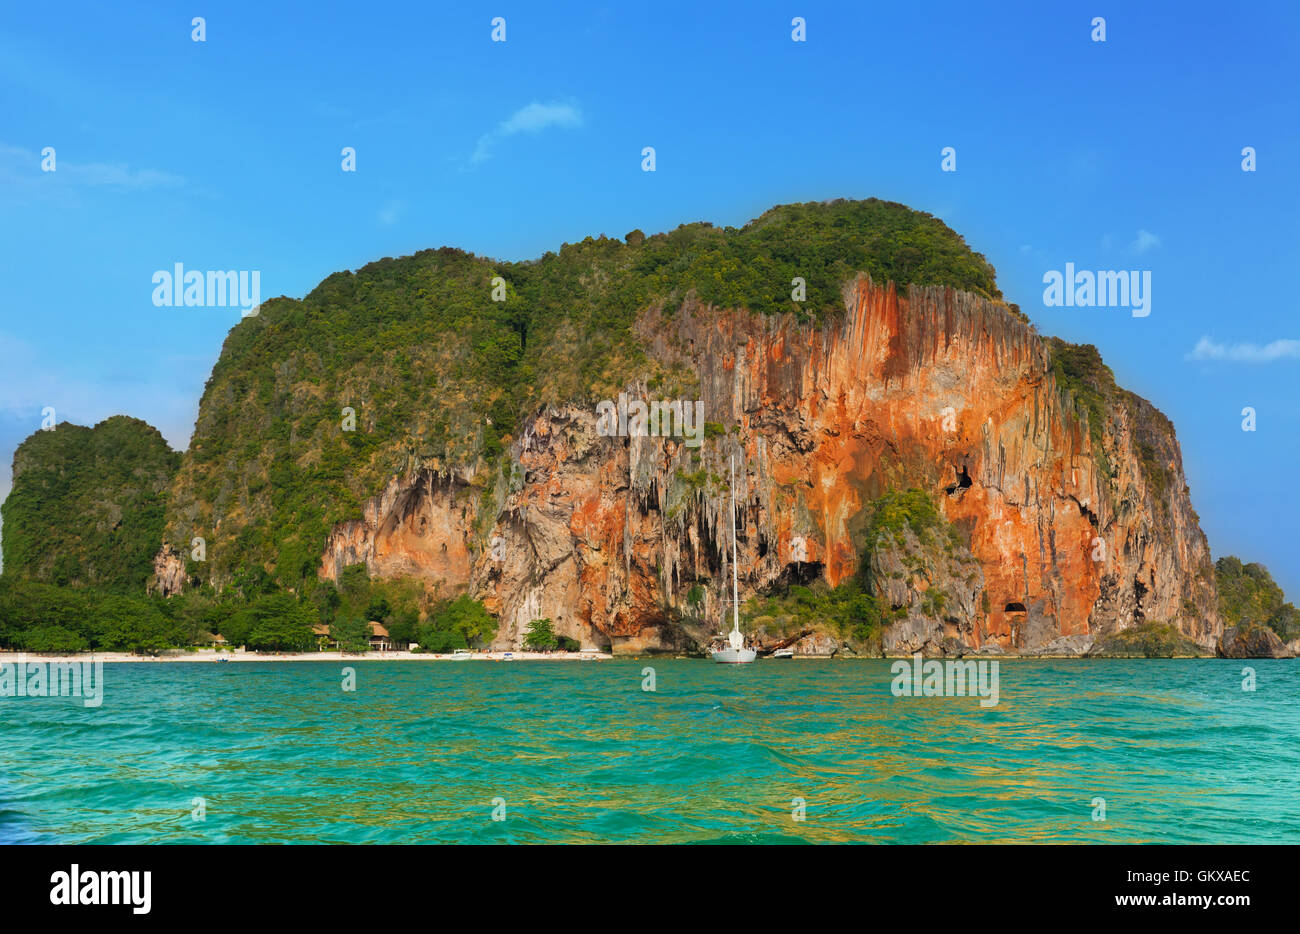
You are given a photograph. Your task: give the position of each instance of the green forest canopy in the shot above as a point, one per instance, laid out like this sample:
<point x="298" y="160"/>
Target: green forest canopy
<point x="86" y="508"/>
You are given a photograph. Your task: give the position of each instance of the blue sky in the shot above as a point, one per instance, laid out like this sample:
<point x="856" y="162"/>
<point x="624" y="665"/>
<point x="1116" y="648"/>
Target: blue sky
<point x="226" y="154"/>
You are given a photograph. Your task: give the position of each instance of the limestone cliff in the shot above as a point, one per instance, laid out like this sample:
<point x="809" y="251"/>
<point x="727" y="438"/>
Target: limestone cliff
<point x="86" y="509"/>
<point x="1068" y="493"/>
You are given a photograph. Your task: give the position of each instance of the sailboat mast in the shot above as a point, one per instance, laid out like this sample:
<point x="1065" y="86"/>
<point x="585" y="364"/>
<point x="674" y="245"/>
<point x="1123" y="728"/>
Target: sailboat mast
<point x="735" y="587"/>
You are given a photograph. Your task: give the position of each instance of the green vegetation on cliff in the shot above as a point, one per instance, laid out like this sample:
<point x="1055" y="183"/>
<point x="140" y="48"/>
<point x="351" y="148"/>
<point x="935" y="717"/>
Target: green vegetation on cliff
<point x="314" y="404"/>
<point x="86" y="507"/>
<point x="846" y="610"/>
<point x="893" y="511"/>
<point x="1080" y="372"/>
<point x="1082" y="375"/>
<point x="1248" y="595"/>
<point x="1151" y="639"/>
<point x="857" y="608"/>
<point x="826" y="244"/>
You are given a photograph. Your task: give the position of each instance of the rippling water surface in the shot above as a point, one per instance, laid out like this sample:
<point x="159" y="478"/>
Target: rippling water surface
<point x="580" y="753"/>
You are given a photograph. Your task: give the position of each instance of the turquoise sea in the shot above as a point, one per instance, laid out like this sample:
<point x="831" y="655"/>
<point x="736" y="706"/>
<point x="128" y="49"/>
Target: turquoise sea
<point x="579" y="752"/>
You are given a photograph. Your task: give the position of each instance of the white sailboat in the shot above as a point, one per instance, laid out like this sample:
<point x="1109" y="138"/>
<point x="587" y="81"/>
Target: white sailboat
<point x="736" y="654"/>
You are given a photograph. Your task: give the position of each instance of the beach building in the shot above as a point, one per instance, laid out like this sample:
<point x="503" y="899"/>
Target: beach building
<point x="380" y="640"/>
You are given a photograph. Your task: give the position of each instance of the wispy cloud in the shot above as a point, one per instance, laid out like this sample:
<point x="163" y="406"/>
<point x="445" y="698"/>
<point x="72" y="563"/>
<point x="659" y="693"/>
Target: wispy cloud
<point x="530" y="119"/>
<point x="40" y="380"/>
<point x="391" y="211"/>
<point x="1207" y="349"/>
<point x="1146" y="240"/>
<point x="18" y="164"/>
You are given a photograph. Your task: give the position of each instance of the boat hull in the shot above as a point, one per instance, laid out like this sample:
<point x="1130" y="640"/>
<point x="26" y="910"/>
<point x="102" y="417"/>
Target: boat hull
<point x="734" y="656"/>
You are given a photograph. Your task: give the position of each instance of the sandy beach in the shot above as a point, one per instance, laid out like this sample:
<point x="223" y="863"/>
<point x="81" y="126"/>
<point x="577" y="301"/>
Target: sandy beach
<point x="214" y="656"/>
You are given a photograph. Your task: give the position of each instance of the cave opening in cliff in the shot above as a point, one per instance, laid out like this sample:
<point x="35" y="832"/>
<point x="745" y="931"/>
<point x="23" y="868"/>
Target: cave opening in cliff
<point x="799" y="574"/>
<point x="1015" y="608"/>
<point x="963" y="482"/>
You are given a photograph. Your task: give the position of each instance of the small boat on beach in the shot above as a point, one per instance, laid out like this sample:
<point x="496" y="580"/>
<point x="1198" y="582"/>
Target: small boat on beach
<point x="783" y="653"/>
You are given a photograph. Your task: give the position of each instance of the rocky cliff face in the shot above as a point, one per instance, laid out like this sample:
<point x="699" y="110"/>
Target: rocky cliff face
<point x="935" y="589"/>
<point x="421" y="525"/>
<point x="1071" y="530"/>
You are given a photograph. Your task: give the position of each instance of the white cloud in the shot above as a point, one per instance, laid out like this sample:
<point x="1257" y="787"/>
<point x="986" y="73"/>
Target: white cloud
<point x="1146" y="240"/>
<point x="119" y="175"/>
<point x="23" y="165"/>
<point x="530" y="119"/>
<point x="1207" y="349"/>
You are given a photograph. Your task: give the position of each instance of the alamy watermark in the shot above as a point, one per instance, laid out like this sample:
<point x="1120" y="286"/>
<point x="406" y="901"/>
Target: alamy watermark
<point x="658" y="419"/>
<point x="947" y="678"/>
<point x="1106" y="288"/>
<point x="80" y="886"/>
<point x="20" y="677"/>
<point x="211" y="289"/>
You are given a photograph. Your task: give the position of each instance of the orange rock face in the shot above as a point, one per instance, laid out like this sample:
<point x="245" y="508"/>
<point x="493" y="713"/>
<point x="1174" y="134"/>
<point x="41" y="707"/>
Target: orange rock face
<point x="608" y="536"/>
<point x="411" y="529"/>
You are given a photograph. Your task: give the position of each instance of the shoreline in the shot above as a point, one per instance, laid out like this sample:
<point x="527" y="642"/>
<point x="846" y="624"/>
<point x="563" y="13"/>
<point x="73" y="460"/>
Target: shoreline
<point x="211" y="656"/>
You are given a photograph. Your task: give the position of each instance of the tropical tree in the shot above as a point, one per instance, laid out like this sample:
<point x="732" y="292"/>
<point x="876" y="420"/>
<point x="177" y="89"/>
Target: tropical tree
<point x="541" y="637"/>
